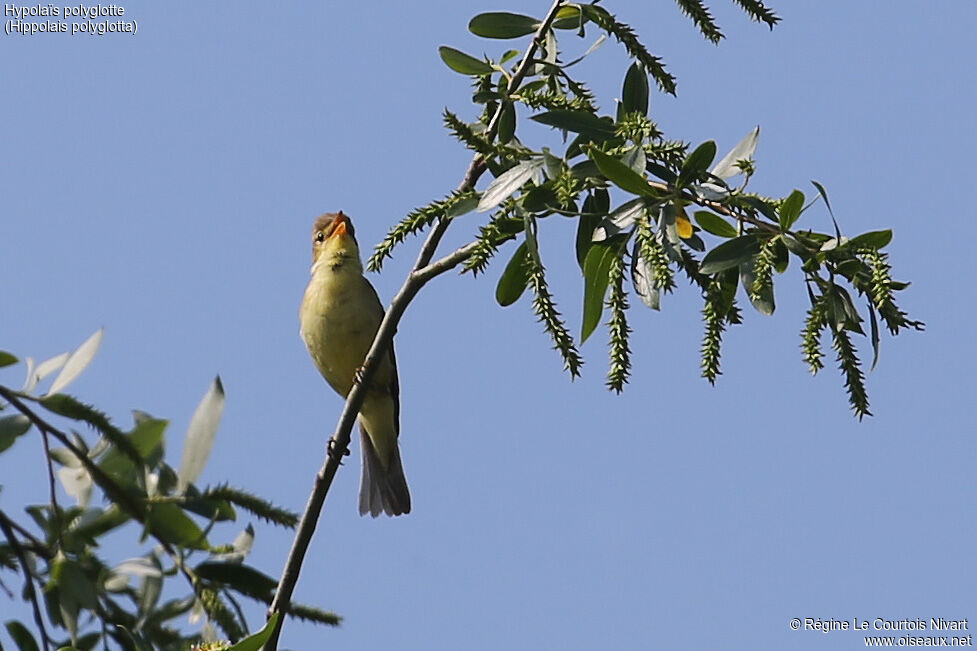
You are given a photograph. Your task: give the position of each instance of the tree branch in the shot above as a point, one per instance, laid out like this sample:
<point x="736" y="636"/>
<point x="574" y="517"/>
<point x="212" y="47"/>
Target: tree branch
<point x="55" y="509"/>
<point x="447" y="263"/>
<point x="36" y="545"/>
<point x="29" y="585"/>
<point x="422" y="272"/>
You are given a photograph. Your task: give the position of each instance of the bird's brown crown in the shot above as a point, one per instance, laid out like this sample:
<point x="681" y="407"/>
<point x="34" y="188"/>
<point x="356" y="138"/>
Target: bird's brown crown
<point x="328" y="225"/>
<point x="327" y="222"/>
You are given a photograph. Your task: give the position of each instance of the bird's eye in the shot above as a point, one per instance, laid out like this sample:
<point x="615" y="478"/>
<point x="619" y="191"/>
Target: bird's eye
<point x="320" y="236"/>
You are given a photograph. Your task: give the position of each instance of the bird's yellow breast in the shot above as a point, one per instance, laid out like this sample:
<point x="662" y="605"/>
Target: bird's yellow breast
<point x="340" y="316"/>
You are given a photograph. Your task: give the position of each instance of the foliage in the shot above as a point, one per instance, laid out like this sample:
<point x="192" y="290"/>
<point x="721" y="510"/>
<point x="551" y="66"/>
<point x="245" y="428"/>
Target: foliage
<point x="676" y="213"/>
<point x="82" y="599"/>
<point x="734" y="242"/>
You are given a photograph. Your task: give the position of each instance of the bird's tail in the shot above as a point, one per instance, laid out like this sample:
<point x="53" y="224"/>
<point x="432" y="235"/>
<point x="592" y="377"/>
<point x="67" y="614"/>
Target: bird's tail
<point x="382" y="489"/>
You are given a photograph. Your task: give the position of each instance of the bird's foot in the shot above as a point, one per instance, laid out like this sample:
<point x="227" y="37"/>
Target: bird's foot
<point x="333" y="451"/>
<point x="358" y="375"/>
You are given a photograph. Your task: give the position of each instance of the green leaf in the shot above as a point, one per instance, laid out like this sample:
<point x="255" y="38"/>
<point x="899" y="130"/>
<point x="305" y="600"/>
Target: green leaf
<point x="507" y="122"/>
<point x="582" y="122"/>
<point x="730" y="254"/>
<point x="553" y="165"/>
<point x="243" y="578"/>
<point x="547" y="52"/>
<point x="73" y="583"/>
<point x="201" y="433"/>
<point x="6" y="359"/>
<point x="586" y="169"/>
<point x="95" y="522"/>
<point x="171" y="609"/>
<point x="42" y="370"/>
<point x="21" y="636"/>
<point x="621" y="175"/>
<point x="796" y="247"/>
<point x="596" y="272"/>
<point x="256" y="641"/>
<point x="790" y="209"/>
<point x="463" y="63"/>
<point x="11" y="428"/>
<point x="507" y="183"/>
<point x="634" y="95"/>
<point x="842" y="314"/>
<point x="635" y="159"/>
<point x="538" y="199"/>
<point x="853" y="318"/>
<point x="761" y="206"/>
<point x="621" y="219"/>
<point x="508" y="56"/>
<point x="643" y="278"/>
<point x="781" y="258"/>
<point x="79" y="360"/>
<point x="744" y="150"/>
<point x="695" y="242"/>
<point x="875" y="334"/>
<point x="824" y="195"/>
<point x="514" y="279"/>
<point x="662" y="172"/>
<point x="532" y="245"/>
<point x="462" y="207"/>
<point x="569" y="18"/>
<point x="871" y="240"/>
<point x="666" y="218"/>
<point x="850" y="267"/>
<point x="713" y="223"/>
<point x="146" y="440"/>
<point x="149" y="590"/>
<point x="501" y="24"/>
<point x="595" y="206"/>
<point x="169" y="523"/>
<point x="697" y="162"/>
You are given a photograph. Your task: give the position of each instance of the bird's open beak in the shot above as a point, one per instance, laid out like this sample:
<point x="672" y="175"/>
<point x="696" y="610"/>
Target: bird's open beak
<point x="340" y="229"/>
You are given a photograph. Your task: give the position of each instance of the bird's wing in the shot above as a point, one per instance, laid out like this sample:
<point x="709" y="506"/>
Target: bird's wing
<point x="393" y="383"/>
<point x="395" y="387"/>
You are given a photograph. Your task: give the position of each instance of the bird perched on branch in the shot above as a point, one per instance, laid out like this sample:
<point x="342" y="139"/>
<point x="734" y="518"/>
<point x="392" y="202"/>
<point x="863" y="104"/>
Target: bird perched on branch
<point x="340" y="316"/>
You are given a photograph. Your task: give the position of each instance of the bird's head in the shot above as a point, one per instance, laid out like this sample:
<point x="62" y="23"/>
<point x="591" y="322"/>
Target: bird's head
<point x="333" y="240"/>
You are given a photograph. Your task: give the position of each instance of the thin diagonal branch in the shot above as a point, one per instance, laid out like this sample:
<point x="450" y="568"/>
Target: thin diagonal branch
<point x="447" y="263"/>
<point x="52" y="487"/>
<point x="421" y="273"/>
<point x="36" y="545"/>
<point x="29" y="585"/>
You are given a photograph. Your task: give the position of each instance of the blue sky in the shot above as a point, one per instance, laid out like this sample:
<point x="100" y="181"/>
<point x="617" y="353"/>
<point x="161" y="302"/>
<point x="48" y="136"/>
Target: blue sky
<point x="163" y="186"/>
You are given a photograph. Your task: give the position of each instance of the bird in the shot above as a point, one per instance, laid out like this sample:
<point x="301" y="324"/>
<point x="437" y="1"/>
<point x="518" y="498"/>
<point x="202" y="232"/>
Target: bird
<point x="340" y="315"/>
